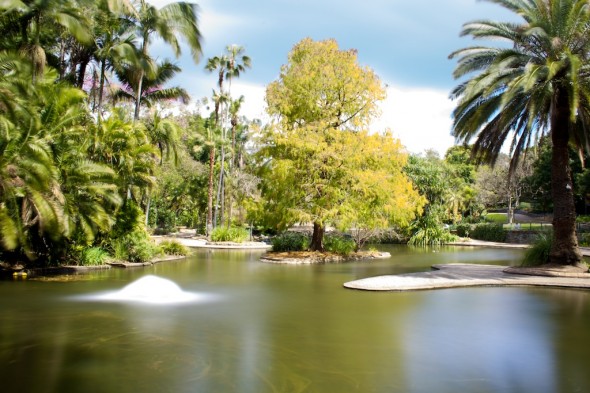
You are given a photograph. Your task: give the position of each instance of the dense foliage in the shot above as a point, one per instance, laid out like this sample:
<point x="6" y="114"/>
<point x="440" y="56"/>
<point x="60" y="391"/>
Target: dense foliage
<point x="74" y="176"/>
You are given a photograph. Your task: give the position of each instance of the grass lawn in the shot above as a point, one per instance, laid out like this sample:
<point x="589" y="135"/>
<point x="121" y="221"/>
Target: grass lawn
<point x="502" y="218"/>
<point x="529" y="226"/>
<point x="498" y="218"/>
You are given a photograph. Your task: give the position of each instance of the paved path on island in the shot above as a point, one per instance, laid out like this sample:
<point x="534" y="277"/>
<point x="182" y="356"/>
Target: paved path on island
<point x="468" y="275"/>
<point x="202" y="243"/>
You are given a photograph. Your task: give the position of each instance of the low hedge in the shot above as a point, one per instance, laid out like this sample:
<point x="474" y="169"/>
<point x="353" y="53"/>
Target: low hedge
<point x="489" y="232"/>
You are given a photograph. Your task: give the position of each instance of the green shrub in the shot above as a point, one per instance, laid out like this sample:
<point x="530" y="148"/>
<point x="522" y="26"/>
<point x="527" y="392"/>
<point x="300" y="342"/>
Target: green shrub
<point x="173" y="247"/>
<point x="388" y="236"/>
<point x="231" y="234"/>
<point x="463" y="230"/>
<point x="431" y="236"/>
<point x="339" y="244"/>
<point x="93" y="256"/>
<point x="128" y="219"/>
<point x="429" y="230"/>
<point x="584" y="239"/>
<point x="538" y="254"/>
<point x="290" y="241"/>
<point x="489" y="232"/>
<point x="134" y="247"/>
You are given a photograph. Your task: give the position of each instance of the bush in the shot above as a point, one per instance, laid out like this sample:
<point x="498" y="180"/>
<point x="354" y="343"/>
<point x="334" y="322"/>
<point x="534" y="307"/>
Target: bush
<point x="128" y="219"/>
<point x="339" y="244"/>
<point x="290" y="241"/>
<point x="428" y="229"/>
<point x="93" y="256"/>
<point x="584" y="239"/>
<point x="134" y="247"/>
<point x="463" y="230"/>
<point x="232" y="234"/>
<point x="489" y="232"/>
<point x="388" y="236"/>
<point x="173" y="247"/>
<point x="538" y="254"/>
<point x="431" y="236"/>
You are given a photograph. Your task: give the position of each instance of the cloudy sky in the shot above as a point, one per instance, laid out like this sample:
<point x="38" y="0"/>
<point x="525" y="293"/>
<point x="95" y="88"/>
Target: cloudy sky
<point x="406" y="42"/>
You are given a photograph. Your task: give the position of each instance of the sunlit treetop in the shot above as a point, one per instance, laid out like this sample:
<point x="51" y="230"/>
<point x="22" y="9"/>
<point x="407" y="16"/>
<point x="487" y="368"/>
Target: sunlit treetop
<point x="322" y="83"/>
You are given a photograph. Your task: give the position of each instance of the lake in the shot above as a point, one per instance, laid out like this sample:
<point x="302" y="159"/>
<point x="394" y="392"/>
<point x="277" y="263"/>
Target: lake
<point x="257" y="327"/>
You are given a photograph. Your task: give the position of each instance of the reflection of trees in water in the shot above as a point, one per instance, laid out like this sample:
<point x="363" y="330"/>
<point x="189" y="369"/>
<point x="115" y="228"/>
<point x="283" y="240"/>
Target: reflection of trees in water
<point x="570" y="313"/>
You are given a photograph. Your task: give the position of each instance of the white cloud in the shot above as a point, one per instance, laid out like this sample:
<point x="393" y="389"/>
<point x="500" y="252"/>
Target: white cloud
<point x="254" y="106"/>
<point x="419" y="117"/>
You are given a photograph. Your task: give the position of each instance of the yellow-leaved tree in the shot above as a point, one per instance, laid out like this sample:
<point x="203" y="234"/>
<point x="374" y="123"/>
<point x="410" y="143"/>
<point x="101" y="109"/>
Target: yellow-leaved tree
<point x="319" y="163"/>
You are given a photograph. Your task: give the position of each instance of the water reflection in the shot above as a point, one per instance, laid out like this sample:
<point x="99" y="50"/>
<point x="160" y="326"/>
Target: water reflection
<point x="487" y="339"/>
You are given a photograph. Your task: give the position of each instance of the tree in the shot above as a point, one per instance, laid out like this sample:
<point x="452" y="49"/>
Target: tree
<point x="320" y="165"/>
<point x="498" y="187"/>
<point x="152" y="91"/>
<point x="228" y="66"/>
<point x="172" y="20"/>
<point x="113" y="47"/>
<point x="538" y="84"/>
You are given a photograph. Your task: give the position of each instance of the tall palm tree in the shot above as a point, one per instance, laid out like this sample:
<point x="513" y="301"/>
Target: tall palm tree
<point x="228" y="66"/>
<point x="234" y="110"/>
<point x="152" y="91"/>
<point x="539" y="84"/>
<point x="168" y="22"/>
<point x="237" y="62"/>
<point x="219" y="99"/>
<point x="114" y="46"/>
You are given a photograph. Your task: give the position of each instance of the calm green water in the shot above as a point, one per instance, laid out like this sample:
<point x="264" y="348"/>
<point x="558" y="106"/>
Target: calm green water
<point x="275" y="328"/>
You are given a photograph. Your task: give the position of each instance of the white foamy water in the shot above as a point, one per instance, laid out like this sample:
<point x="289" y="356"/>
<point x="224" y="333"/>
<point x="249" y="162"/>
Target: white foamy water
<point x="152" y="290"/>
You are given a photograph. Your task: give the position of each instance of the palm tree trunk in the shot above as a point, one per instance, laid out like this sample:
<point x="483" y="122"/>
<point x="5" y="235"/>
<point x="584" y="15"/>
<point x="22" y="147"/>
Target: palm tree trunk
<point x="317" y="239"/>
<point x="218" y="198"/>
<point x="101" y="88"/>
<point x="564" y="250"/>
<point x="210" y="193"/>
<point x="138" y="98"/>
<point x="144" y="51"/>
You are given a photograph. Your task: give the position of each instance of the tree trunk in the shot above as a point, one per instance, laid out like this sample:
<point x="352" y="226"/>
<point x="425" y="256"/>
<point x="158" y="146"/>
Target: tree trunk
<point x="82" y="72"/>
<point x="218" y="198"/>
<point x="144" y="51"/>
<point x="510" y="210"/>
<point x="317" y="239"/>
<point x="210" y="193"/>
<point x="138" y="98"/>
<point x="564" y="250"/>
<point x="101" y="88"/>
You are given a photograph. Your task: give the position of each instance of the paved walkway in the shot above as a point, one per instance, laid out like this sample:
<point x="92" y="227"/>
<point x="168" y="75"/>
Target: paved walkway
<point x="482" y="243"/>
<point x="202" y="243"/>
<point x="468" y="275"/>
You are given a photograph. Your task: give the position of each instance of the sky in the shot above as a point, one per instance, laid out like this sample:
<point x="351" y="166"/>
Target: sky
<point x="406" y="42"/>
